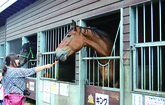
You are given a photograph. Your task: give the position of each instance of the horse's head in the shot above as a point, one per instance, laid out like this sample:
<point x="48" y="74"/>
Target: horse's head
<point x="27" y="52"/>
<point x="72" y="42"/>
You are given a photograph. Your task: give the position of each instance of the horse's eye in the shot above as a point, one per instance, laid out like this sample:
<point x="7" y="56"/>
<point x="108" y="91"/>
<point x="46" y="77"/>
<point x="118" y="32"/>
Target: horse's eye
<point x="69" y="36"/>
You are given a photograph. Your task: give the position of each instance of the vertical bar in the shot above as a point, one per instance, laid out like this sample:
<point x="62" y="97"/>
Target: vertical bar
<point x="113" y="68"/>
<point x="44" y="64"/>
<point x="160" y="29"/>
<point x="89" y="67"/>
<point x="152" y="68"/>
<point x="149" y="68"/>
<point x="144" y="68"/>
<point x="64" y="32"/>
<point x="103" y="77"/>
<point x="58" y="36"/>
<point x="151" y="21"/>
<point x="98" y="75"/>
<point x="136" y="52"/>
<point x="158" y="67"/>
<point x="122" y="82"/>
<point x="152" y="47"/>
<point x="160" y="20"/>
<point x="144" y="35"/>
<point x="51" y="40"/>
<point x="93" y="72"/>
<point x="52" y="67"/>
<point x="161" y="68"/>
<point x="47" y="63"/>
<point x="141" y="68"/>
<point x="61" y="33"/>
<point x="50" y="70"/>
<point x="144" y="23"/>
<point x="136" y="24"/>
<point x="108" y="75"/>
<point x="53" y="47"/>
<point x="48" y="40"/>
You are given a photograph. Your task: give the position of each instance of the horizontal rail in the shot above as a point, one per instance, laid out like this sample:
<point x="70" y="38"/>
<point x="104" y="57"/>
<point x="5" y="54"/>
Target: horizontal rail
<point x="45" y="53"/>
<point x="149" y="91"/>
<point x="111" y="89"/>
<point x="91" y="58"/>
<point x="147" y="44"/>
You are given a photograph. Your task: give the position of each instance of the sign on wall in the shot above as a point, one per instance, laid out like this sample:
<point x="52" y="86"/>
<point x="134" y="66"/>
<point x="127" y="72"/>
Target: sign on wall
<point x="151" y="100"/>
<point x="64" y="89"/>
<point x="137" y="99"/>
<point x="101" y="99"/>
<point x="54" y="88"/>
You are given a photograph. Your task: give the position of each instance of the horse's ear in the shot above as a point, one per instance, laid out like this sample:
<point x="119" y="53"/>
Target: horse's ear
<point x="74" y="25"/>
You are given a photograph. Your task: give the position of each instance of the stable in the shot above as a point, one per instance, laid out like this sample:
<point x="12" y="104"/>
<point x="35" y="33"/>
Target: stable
<point x="133" y="69"/>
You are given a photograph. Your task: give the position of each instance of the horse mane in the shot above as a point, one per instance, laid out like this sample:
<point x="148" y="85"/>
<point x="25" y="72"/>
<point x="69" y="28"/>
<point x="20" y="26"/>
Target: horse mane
<point x="94" y="31"/>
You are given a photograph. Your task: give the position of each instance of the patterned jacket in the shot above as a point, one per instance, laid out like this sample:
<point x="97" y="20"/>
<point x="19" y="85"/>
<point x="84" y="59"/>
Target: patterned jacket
<point x="16" y="76"/>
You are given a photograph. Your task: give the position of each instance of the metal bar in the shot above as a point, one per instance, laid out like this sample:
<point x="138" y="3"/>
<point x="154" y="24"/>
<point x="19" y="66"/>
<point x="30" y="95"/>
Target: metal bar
<point x="158" y="68"/>
<point x="44" y="64"/>
<point x="48" y="41"/>
<point x="151" y="21"/>
<point x="136" y="24"/>
<point x="58" y="36"/>
<point x="152" y="68"/>
<point x="56" y="40"/>
<point x="91" y="58"/>
<point x="51" y="67"/>
<point x="89" y="66"/>
<point x="147" y="44"/>
<point x="144" y="68"/>
<point x="144" y="23"/>
<point x="61" y="33"/>
<point x="122" y="82"/>
<point x="150" y="92"/>
<point x="149" y="68"/>
<point x="46" y="53"/>
<point x="103" y="77"/>
<point x="160" y="20"/>
<point x="53" y="47"/>
<point x="98" y="75"/>
<point x="141" y="68"/>
<point x="51" y="40"/>
<point x="108" y="74"/>
<point x="111" y="89"/>
<point x="46" y="68"/>
<point x="161" y="69"/>
<point x="136" y="52"/>
<point x="113" y="69"/>
<point x="152" y="47"/>
<point x="64" y="32"/>
<point x="93" y="72"/>
<point x="144" y="36"/>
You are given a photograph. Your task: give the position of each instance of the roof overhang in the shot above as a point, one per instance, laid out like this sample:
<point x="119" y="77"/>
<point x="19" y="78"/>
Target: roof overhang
<point x="10" y="7"/>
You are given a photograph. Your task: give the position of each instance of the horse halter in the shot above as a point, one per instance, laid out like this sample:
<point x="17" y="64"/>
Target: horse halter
<point x="28" y="55"/>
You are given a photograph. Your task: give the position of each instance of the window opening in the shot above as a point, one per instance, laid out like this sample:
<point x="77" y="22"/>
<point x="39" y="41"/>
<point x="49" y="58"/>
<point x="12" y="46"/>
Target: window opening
<point x="63" y="71"/>
<point x="148" y="47"/>
<point x="110" y="25"/>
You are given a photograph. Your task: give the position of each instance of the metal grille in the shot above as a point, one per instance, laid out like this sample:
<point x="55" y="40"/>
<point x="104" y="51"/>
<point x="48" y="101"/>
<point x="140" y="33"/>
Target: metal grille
<point x="51" y="39"/>
<point x="93" y="75"/>
<point x="31" y="64"/>
<point x="148" y="47"/>
<point x="1" y="55"/>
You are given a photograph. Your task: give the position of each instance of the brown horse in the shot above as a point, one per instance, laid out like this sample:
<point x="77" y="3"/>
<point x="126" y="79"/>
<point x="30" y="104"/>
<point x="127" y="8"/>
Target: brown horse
<point x="78" y="37"/>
